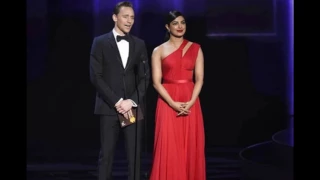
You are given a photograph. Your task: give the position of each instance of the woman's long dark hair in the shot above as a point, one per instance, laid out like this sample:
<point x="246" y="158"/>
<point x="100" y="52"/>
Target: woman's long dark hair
<point x="170" y="17"/>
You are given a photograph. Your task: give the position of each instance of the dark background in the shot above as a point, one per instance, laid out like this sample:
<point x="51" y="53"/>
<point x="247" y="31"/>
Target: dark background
<point x="245" y="92"/>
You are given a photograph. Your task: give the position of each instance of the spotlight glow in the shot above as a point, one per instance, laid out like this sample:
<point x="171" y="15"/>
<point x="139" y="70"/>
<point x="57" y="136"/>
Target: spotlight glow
<point x="290" y="76"/>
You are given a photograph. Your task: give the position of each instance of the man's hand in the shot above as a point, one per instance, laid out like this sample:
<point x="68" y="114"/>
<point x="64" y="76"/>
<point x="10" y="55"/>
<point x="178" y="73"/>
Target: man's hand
<point x="128" y="115"/>
<point x="124" y="106"/>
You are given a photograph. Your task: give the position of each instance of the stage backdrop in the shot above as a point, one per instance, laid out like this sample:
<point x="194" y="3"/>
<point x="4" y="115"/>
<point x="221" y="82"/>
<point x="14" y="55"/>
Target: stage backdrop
<point x="244" y="94"/>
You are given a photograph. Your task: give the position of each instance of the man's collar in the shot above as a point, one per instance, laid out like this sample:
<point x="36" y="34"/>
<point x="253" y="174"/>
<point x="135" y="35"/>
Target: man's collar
<point x="115" y="33"/>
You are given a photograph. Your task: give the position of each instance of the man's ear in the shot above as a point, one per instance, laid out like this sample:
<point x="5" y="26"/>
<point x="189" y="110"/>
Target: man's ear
<point x="114" y="18"/>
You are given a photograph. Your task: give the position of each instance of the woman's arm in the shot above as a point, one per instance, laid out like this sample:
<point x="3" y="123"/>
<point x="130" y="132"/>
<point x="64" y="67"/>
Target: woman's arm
<point x="157" y="77"/>
<point x="199" y="74"/>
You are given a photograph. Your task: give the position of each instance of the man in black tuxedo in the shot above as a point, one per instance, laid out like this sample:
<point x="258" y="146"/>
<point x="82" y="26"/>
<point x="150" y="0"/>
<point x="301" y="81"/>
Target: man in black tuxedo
<point x="119" y="71"/>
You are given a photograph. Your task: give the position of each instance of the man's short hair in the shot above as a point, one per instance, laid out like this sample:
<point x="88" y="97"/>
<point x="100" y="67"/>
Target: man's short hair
<point x="116" y="9"/>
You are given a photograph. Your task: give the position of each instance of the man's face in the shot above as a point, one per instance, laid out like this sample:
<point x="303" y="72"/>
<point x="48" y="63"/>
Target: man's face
<point x="124" y="20"/>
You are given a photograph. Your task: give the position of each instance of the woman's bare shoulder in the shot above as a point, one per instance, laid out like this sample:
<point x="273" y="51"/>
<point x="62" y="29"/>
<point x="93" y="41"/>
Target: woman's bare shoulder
<point x="158" y="49"/>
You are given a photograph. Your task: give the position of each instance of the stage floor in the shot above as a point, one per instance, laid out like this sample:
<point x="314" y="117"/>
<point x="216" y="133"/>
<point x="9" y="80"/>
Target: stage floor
<point x="222" y="164"/>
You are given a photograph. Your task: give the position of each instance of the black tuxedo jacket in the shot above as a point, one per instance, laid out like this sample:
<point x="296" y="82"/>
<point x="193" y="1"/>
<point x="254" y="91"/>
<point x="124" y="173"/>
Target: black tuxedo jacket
<point x="111" y="80"/>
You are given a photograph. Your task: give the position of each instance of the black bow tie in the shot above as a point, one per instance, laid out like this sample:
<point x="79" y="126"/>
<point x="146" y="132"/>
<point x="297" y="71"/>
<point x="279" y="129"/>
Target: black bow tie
<point x="119" y="38"/>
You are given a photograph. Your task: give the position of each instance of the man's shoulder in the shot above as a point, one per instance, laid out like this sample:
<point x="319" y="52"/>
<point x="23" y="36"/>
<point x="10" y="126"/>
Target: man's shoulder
<point x="102" y="36"/>
<point x="136" y="39"/>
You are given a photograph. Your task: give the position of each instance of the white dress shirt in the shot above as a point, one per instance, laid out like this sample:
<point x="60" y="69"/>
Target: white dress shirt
<point x="123" y="47"/>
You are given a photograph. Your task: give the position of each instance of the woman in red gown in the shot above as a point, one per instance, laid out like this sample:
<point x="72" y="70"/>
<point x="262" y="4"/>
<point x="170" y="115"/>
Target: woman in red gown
<point x="179" y="144"/>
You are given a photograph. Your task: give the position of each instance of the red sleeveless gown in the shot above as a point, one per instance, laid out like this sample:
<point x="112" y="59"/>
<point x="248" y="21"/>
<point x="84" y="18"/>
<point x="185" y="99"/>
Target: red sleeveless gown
<point x="179" y="143"/>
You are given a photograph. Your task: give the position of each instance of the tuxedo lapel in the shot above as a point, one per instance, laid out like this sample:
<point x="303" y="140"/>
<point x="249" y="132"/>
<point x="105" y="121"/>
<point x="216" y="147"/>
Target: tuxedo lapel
<point x="131" y="51"/>
<point x="114" y="46"/>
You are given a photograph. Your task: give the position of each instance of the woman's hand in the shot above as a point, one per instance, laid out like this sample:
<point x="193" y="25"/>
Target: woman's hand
<point x="182" y="108"/>
<point x="186" y="109"/>
<point x="178" y="107"/>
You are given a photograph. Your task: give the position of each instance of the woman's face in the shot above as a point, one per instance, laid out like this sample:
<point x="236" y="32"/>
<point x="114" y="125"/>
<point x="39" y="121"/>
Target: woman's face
<point x="177" y="27"/>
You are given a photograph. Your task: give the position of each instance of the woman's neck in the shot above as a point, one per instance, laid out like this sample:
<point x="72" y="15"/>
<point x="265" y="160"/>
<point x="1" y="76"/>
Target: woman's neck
<point x="176" y="41"/>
